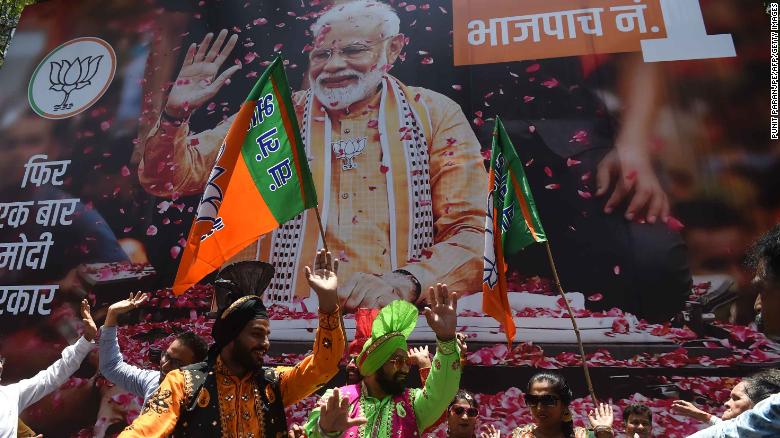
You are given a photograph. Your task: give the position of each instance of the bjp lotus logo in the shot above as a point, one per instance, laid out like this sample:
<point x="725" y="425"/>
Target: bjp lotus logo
<point x="71" y="78"/>
<point x="68" y="77"/>
<point x="347" y="150"/>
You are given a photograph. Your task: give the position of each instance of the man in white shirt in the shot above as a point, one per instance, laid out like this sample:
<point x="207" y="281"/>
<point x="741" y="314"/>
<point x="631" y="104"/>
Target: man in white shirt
<point x="14" y="398"/>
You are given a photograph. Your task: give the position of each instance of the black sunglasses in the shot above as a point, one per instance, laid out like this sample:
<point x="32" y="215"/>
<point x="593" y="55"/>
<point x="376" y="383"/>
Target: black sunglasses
<point x="459" y="410"/>
<point x="545" y="400"/>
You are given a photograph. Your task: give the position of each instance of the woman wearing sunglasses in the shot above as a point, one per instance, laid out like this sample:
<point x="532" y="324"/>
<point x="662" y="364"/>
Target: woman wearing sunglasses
<point x="548" y="396"/>
<point x="462" y="416"/>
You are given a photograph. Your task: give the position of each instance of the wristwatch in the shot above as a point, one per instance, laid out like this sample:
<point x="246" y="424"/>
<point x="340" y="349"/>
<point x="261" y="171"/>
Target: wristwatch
<point x="165" y="117"/>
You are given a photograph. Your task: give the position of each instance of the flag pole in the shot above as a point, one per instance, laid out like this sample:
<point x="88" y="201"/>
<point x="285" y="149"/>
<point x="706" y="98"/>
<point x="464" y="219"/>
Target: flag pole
<point x="557" y="280"/>
<point x="322" y="229"/>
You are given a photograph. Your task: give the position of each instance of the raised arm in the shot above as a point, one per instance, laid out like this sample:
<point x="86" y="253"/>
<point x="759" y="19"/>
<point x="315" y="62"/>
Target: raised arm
<point x="174" y="160"/>
<point x="444" y="378"/>
<point x="45" y="382"/>
<point x="322" y="364"/>
<point x="112" y="365"/>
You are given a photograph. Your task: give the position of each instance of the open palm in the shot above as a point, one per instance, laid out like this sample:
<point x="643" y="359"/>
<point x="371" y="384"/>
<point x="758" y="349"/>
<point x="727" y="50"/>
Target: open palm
<point x="442" y="315"/>
<point x="323" y="277"/>
<point x="335" y="414"/>
<point x="196" y="82"/>
<point x="323" y="280"/>
<point x="134" y="301"/>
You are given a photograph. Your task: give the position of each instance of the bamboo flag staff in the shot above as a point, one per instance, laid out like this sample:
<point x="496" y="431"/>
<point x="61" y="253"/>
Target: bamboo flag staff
<point x="573" y="323"/>
<point x="322" y="229"/>
<point x="512" y="223"/>
<point x="261" y="179"/>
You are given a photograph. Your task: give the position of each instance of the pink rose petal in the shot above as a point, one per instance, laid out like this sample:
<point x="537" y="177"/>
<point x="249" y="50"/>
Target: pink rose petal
<point x="532" y="68"/>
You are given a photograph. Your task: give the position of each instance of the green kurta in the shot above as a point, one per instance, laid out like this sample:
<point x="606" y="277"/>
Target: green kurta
<point x="428" y="402"/>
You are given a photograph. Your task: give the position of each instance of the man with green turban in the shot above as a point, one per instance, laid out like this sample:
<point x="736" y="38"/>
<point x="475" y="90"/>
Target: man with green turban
<point x="381" y="406"/>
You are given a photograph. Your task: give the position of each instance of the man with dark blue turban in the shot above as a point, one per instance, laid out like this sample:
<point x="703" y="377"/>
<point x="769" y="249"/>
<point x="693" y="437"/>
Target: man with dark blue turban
<point x="232" y="393"/>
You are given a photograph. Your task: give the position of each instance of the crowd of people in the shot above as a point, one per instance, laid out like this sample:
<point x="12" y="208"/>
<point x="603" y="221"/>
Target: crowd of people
<point x="226" y="390"/>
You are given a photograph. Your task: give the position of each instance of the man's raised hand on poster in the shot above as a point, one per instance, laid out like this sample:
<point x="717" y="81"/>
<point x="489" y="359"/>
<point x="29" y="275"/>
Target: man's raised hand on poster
<point x="196" y="83"/>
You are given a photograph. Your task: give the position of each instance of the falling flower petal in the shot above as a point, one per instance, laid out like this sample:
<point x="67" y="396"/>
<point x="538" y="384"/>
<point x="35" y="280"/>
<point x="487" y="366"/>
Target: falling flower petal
<point x="552" y="186"/>
<point x="580" y="136"/>
<point x="572" y="162"/>
<point x="249" y="57"/>
<point x="532" y="68"/>
<point x="586" y="176"/>
<point x="151" y="231"/>
<point x="584" y="195"/>
<point x="595" y="297"/>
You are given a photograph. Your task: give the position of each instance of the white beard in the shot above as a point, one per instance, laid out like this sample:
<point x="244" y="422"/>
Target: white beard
<point x="341" y="98"/>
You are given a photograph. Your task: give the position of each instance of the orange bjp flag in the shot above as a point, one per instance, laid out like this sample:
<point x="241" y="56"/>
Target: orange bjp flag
<point x="261" y="180"/>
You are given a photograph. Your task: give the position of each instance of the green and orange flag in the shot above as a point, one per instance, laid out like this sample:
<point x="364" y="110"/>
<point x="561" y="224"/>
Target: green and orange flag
<point x="511" y="224"/>
<point x="261" y="179"/>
